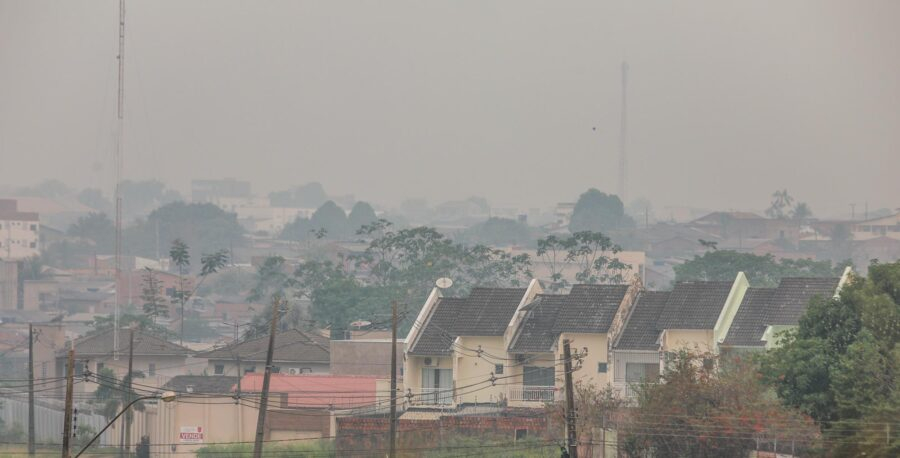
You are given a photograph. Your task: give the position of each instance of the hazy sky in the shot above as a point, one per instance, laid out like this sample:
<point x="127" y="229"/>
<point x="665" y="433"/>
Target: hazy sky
<point x="391" y="99"/>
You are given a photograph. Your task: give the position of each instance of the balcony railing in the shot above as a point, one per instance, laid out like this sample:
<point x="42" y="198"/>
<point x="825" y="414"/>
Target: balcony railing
<point x="431" y="396"/>
<point x="525" y="393"/>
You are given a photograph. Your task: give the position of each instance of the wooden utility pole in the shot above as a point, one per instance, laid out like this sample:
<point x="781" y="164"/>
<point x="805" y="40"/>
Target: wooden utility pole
<point x="70" y="386"/>
<point x="264" y="397"/>
<point x="126" y="432"/>
<point x="571" y="433"/>
<point x="393" y="446"/>
<point x="30" y="389"/>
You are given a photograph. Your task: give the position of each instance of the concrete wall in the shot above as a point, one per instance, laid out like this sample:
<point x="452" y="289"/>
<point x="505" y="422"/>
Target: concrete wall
<point x="596" y="353"/>
<point x="469" y="369"/>
<point x="689" y="339"/>
<point x="40" y="291"/>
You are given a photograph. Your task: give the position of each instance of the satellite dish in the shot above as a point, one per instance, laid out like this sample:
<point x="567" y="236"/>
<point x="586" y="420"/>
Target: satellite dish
<point x="444" y="283"/>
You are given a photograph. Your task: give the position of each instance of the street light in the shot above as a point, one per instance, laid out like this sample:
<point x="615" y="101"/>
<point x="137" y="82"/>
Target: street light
<point x="167" y="396"/>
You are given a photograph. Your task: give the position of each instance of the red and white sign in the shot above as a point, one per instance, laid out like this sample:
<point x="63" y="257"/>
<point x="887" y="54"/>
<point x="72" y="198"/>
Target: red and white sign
<point x="191" y="434"/>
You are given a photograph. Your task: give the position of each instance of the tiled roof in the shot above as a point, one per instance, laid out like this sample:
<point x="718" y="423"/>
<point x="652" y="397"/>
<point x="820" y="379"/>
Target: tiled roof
<point x="792" y="298"/>
<point x="590" y="308"/>
<point x="485" y="312"/>
<point x="749" y="323"/>
<point x="641" y="331"/>
<point x="144" y="344"/>
<point x="783" y="306"/>
<point x="694" y="305"/>
<point x="318" y="391"/>
<point x="290" y="346"/>
<point x="212" y="384"/>
<point x="535" y="333"/>
<point x="586" y="309"/>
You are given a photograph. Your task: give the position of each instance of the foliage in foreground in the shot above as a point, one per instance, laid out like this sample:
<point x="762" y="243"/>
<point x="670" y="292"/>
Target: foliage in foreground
<point x="318" y="448"/>
<point x="841" y="365"/>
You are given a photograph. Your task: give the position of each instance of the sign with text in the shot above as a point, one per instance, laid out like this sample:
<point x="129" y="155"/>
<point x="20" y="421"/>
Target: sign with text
<point x="191" y="434"/>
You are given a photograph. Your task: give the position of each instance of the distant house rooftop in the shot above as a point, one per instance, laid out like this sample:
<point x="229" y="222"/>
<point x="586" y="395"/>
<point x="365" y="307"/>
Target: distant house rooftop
<point x="290" y="346"/>
<point x="485" y="312"/>
<point x="145" y="344"/>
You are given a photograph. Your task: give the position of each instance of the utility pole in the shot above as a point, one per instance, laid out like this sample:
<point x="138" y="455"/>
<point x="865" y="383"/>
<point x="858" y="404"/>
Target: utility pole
<point x="264" y="397"/>
<point x="623" y="136"/>
<point x="30" y="389"/>
<point x="70" y="386"/>
<point x="393" y="446"/>
<point x="571" y="433"/>
<point x="126" y="432"/>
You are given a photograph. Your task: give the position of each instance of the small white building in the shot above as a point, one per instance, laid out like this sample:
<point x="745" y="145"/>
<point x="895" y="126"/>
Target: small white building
<point x="19" y="232"/>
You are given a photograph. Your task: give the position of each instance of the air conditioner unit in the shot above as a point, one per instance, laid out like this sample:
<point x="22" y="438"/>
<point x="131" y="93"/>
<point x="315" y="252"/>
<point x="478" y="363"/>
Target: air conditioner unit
<point x="428" y="362"/>
<point x="293" y="371"/>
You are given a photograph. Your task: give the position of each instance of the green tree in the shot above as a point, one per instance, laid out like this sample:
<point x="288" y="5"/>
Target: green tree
<point x="781" y="205"/>
<point x="209" y="264"/>
<point x="592" y="252"/>
<point x="141" y="197"/>
<point x="151" y="293"/>
<point x="399" y="265"/>
<point x="498" y="232"/>
<point x="360" y="215"/>
<point x="801" y="212"/>
<point x="96" y="227"/>
<point x="205" y="228"/>
<point x="761" y="271"/>
<point x="598" y="211"/>
<point x="842" y="363"/>
<point x="331" y="218"/>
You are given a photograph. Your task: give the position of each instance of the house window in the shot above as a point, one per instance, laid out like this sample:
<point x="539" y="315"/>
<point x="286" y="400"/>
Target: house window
<point x="33" y="245"/>
<point x="276" y="369"/>
<point x="219" y="369"/>
<point x="44" y="369"/>
<point x="152" y="369"/>
<point x="708" y="363"/>
<point x="538" y="376"/>
<point x="639" y="372"/>
<point x="250" y="370"/>
<point x="498" y="369"/>
<point x="99" y="367"/>
<point x="521" y="434"/>
<point x="170" y="292"/>
<point x="601" y="368"/>
<point x="34" y="227"/>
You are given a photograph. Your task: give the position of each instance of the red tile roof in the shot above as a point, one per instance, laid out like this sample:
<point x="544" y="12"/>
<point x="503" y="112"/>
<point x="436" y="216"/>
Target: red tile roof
<point x="322" y="391"/>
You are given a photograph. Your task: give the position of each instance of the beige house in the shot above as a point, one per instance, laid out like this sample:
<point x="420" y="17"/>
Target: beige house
<point x="588" y="316"/>
<point x="296" y="352"/>
<point x="157" y="359"/>
<point x="503" y="345"/>
<point x="457" y="345"/>
<point x="887" y="226"/>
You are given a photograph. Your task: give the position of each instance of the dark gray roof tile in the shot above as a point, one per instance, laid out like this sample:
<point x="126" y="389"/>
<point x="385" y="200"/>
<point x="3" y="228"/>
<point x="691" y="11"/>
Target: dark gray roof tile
<point x="694" y="305"/>
<point x="749" y="323"/>
<point x="641" y="331"/>
<point x="290" y="346"/>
